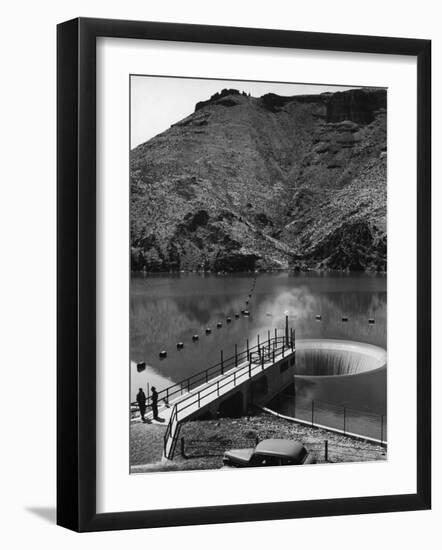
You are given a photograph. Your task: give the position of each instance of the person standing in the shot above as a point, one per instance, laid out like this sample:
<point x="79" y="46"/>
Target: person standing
<point x="155" y="403"/>
<point x="141" y="400"/>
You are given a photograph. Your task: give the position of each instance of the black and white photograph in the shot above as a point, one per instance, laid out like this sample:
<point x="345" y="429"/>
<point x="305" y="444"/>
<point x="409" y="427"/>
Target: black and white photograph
<point x="258" y="265"/>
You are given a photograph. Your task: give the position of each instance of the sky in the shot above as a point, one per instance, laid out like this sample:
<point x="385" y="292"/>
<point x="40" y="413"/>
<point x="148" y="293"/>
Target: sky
<point x="158" y="102"/>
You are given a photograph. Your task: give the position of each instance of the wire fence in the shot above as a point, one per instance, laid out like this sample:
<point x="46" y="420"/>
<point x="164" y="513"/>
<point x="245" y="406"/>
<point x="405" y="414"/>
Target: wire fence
<point x="321" y="450"/>
<point x="348" y="420"/>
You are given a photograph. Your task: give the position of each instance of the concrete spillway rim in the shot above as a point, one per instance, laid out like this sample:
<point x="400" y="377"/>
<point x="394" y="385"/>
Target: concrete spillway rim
<point x="376" y="352"/>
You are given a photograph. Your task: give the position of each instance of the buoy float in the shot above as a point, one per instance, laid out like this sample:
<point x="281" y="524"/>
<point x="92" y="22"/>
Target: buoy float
<point x="344" y="319"/>
<point x="208" y="330"/>
<point x="219" y="324"/>
<point x="318" y="318"/>
<point x="180" y="345"/>
<point x="246" y="312"/>
<point x="141" y="366"/>
<point x="163" y="354"/>
<point x="229" y="319"/>
<point x="371" y="321"/>
<point x="236" y="315"/>
<point x="195" y="337"/>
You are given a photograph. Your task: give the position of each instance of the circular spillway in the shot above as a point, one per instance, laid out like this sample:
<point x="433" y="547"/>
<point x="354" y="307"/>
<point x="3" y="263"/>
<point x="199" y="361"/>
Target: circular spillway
<point x="333" y="358"/>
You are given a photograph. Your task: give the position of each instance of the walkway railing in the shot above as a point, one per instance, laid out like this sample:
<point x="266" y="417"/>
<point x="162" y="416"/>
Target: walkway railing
<point x="224" y="365"/>
<point x="255" y="360"/>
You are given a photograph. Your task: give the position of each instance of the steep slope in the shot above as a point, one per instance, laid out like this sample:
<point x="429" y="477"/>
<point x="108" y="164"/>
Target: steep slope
<point x="245" y="183"/>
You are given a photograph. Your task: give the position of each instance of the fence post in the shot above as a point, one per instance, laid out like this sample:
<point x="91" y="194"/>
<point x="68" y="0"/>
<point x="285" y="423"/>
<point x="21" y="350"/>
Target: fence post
<point x="287" y="328"/>
<point x="250" y="369"/>
<point x="313" y="411"/>
<point x="167" y="395"/>
<point x="217" y="387"/>
<point x="236" y="355"/>
<point x="222" y="362"/>
<point x="248" y="352"/>
<point x="234" y="378"/>
<point x="199" y="400"/>
<point x="275" y="343"/>
<point x="344" y="421"/>
<point x="273" y="354"/>
<point x="291" y="338"/>
<point x="262" y="361"/>
<point x="326" y="450"/>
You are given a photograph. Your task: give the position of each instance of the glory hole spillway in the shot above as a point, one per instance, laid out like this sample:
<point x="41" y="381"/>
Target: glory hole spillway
<point x="333" y="375"/>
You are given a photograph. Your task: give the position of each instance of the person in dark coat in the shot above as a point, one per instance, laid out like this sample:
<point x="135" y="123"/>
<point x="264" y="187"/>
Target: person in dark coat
<point x="141" y="400"/>
<point x="155" y="403"/>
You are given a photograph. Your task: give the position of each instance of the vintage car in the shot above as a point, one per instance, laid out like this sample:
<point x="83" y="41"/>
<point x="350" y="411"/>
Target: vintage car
<point x="270" y="452"/>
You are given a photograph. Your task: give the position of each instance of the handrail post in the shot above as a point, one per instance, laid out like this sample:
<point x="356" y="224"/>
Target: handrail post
<point x="250" y="369"/>
<point x="199" y="400"/>
<point x="273" y="354"/>
<point x="262" y="361"/>
<point x="236" y="355"/>
<point x="275" y="343"/>
<point x="217" y="387"/>
<point x="234" y="379"/>
<point x="248" y="352"/>
<point x="222" y="362"/>
<point x="287" y="328"/>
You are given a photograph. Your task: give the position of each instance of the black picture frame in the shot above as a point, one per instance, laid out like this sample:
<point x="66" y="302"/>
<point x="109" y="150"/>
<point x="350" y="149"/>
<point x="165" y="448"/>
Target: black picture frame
<point x="76" y="274"/>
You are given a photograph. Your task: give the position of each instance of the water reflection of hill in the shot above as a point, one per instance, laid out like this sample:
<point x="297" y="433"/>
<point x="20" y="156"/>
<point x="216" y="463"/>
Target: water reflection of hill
<point x="169" y="309"/>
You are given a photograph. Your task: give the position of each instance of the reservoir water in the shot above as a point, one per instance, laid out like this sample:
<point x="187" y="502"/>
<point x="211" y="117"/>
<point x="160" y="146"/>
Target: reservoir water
<point x="167" y="309"/>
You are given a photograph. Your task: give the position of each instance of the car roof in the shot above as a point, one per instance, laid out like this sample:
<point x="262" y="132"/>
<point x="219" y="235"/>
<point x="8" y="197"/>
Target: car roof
<point x="279" y="447"/>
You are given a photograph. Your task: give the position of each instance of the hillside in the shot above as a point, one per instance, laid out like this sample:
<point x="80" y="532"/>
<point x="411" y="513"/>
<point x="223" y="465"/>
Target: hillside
<point x="272" y="182"/>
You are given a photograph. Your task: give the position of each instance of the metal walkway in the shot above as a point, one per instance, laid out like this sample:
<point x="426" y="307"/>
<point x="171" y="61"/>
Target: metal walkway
<point x="182" y="400"/>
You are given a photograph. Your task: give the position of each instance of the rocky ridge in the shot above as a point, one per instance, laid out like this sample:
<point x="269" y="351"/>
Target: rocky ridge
<point x="264" y="183"/>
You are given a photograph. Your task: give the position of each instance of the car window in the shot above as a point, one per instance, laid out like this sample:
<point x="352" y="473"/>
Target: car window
<point x="264" y="460"/>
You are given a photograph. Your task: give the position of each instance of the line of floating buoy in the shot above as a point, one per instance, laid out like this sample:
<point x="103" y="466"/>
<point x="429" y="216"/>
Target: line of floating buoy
<point x="371" y="321"/>
<point x="208" y="330"/>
